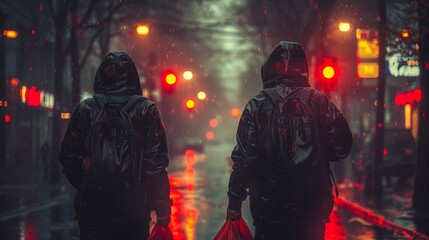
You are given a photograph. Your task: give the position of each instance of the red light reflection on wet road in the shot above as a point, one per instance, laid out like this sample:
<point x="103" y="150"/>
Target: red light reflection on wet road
<point x="334" y="230"/>
<point x="184" y="216"/>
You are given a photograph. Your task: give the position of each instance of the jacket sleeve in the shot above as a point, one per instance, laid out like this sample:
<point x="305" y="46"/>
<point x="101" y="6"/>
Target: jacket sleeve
<point x="156" y="161"/>
<point x="244" y="157"/>
<point x="73" y="146"/>
<point x="338" y="134"/>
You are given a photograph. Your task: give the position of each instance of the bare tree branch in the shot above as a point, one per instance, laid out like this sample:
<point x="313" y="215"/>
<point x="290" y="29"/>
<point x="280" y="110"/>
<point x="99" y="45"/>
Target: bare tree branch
<point x="87" y="13"/>
<point x="97" y="33"/>
<point x="89" y="49"/>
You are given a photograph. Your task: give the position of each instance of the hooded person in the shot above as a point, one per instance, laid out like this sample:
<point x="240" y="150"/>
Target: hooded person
<point x="287" y="136"/>
<point x="117" y="207"/>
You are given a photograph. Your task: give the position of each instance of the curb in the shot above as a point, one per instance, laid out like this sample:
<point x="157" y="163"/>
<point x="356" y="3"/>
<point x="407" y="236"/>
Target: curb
<point x="379" y="220"/>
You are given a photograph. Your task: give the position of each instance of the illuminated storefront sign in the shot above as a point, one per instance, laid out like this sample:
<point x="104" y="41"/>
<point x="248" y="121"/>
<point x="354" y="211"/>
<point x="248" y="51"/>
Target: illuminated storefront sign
<point x="399" y="66"/>
<point x="367" y="53"/>
<point x="36" y="98"/>
<point x="368" y="70"/>
<point x="367" y="44"/>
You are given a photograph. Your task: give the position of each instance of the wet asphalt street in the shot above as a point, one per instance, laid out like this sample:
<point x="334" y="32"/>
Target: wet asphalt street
<point x="198" y="189"/>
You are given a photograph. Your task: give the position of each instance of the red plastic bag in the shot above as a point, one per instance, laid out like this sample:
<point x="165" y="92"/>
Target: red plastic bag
<point x="243" y="230"/>
<point x="227" y="232"/>
<point x="237" y="230"/>
<point x="160" y="233"/>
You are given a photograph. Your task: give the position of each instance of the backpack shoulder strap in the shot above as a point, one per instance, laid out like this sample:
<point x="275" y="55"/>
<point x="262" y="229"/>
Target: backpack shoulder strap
<point x="307" y="96"/>
<point x="100" y="100"/>
<point x="275" y="98"/>
<point x="337" y="193"/>
<point x="132" y="101"/>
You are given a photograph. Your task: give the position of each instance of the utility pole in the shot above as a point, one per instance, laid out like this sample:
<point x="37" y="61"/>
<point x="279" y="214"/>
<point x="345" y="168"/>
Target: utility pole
<point x="377" y="184"/>
<point x="2" y="93"/>
<point x="421" y="185"/>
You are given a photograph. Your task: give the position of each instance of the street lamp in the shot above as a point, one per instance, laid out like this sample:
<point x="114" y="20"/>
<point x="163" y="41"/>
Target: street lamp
<point x="344" y="26"/>
<point x="187" y="75"/>
<point x="142" y="30"/>
<point x="201" y="95"/>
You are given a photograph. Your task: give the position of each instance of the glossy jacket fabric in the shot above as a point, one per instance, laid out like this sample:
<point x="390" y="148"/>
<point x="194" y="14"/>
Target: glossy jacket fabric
<point x="118" y="84"/>
<point x="285" y="70"/>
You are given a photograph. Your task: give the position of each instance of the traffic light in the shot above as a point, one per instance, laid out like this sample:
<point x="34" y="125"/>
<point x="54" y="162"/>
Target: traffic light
<point x="168" y="81"/>
<point x="327" y="73"/>
<point x="190" y="104"/>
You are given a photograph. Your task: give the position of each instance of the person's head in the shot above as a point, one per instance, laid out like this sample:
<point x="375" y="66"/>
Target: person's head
<point x="286" y="64"/>
<point x="117" y="74"/>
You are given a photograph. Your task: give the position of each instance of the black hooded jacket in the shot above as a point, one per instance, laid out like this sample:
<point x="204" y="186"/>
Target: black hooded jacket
<point x="118" y="80"/>
<point x="257" y="151"/>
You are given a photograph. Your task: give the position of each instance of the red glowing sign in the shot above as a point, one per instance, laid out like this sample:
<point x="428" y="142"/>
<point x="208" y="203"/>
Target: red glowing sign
<point x="36" y="98"/>
<point x="408" y="97"/>
<point x="33" y="97"/>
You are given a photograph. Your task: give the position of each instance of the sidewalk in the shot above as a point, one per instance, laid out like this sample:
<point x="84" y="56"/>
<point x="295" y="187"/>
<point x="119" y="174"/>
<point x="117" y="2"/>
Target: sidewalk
<point x="24" y="190"/>
<point x="395" y="215"/>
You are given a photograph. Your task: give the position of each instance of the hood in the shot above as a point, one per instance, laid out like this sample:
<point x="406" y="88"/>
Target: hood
<point x="286" y="64"/>
<point x="117" y="75"/>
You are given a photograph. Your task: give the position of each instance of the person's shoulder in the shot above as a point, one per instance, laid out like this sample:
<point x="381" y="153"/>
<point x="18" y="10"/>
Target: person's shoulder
<point x="86" y="104"/>
<point x="145" y="105"/>
<point x="259" y="97"/>
<point x="145" y="102"/>
<point x="257" y="102"/>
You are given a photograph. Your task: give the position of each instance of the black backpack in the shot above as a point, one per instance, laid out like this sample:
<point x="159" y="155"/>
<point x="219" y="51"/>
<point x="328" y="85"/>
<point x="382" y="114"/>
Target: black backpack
<point x="113" y="146"/>
<point x="300" y="163"/>
<point x="296" y="130"/>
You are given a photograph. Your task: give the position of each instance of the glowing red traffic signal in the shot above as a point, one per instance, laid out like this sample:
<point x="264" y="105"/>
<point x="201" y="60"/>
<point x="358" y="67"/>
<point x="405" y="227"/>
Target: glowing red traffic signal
<point x="327" y="73"/>
<point x="168" y="81"/>
<point x="190" y="104"/>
